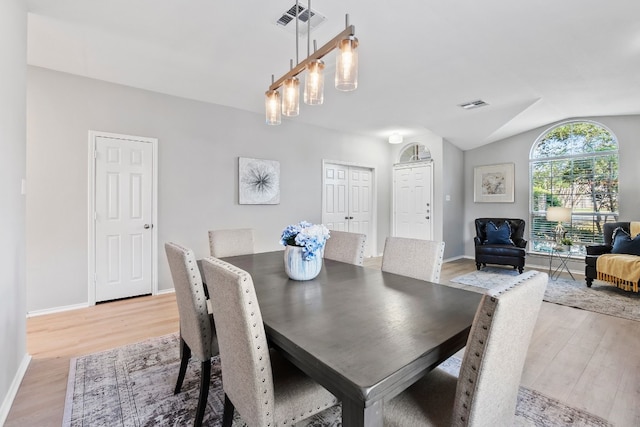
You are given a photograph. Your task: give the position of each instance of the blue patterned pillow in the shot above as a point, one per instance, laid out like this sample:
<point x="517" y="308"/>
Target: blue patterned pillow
<point x="624" y="244"/>
<point x="498" y="235"/>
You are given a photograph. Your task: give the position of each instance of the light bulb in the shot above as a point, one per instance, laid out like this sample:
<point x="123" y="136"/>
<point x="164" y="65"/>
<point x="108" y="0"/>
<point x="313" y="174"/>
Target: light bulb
<point x="291" y="97"/>
<point x="272" y="107"/>
<point x="314" y="83"/>
<point x="347" y="64"/>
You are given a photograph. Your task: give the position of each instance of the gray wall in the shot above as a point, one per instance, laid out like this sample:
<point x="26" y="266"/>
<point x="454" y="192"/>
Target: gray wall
<point x="13" y="45"/>
<point x="517" y="149"/>
<point x="198" y="146"/>
<point x="453" y="187"/>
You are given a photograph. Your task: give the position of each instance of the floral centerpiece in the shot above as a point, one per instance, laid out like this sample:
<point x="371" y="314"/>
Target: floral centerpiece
<point x="304" y="243"/>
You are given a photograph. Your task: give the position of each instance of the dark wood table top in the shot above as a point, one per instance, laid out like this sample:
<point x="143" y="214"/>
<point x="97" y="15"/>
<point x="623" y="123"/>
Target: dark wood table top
<point x="364" y="334"/>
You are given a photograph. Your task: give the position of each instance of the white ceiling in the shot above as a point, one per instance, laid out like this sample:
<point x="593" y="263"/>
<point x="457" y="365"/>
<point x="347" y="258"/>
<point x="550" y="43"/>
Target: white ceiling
<point x="533" y="62"/>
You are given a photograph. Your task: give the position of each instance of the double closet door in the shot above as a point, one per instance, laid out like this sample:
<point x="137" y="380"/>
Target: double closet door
<point x="412" y="201"/>
<point x="348" y="200"/>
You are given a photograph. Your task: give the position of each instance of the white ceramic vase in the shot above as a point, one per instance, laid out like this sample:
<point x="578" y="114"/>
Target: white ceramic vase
<point x="299" y="269"/>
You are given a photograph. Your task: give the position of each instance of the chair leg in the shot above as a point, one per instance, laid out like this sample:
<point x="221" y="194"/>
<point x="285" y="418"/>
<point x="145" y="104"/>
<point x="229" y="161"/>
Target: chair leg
<point x="227" y="415"/>
<point x="185" y="355"/>
<point x="589" y="281"/>
<point x="478" y="265"/>
<point x="205" y="379"/>
<point x="520" y="270"/>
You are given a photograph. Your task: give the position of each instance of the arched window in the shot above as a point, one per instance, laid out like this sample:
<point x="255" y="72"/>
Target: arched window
<point x="573" y="165"/>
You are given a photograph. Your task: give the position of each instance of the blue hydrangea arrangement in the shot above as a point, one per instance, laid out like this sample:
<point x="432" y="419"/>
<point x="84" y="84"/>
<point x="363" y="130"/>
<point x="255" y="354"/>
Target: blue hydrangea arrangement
<point x="311" y="237"/>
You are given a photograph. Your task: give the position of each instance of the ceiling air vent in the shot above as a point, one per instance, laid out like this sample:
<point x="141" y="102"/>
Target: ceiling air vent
<point x="288" y="19"/>
<point x="473" y="104"/>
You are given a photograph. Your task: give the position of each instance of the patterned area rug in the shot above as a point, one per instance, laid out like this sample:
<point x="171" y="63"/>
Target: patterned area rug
<point x="600" y="298"/>
<point x="133" y="386"/>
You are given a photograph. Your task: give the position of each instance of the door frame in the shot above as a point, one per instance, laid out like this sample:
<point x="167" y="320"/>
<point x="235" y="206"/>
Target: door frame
<point x="399" y="166"/>
<point x="374" y="198"/>
<point x="91" y="190"/>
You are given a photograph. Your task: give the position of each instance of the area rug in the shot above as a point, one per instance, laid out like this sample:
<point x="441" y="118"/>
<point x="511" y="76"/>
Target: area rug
<point x="600" y="298"/>
<point x="133" y="386"/>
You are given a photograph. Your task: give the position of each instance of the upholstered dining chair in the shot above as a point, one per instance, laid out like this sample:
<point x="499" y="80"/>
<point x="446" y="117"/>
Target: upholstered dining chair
<point x="224" y="243"/>
<point x="486" y="391"/>
<point x="345" y="247"/>
<point x="266" y="389"/>
<point x="197" y="331"/>
<point x="420" y="259"/>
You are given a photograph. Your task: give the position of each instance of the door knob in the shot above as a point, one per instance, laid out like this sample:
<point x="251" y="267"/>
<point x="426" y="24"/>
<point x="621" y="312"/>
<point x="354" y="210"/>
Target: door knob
<point x="147" y="226"/>
<point x="426" y="217"/>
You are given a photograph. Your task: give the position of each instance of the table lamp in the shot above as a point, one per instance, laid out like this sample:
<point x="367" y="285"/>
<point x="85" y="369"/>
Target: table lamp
<point x="561" y="215"/>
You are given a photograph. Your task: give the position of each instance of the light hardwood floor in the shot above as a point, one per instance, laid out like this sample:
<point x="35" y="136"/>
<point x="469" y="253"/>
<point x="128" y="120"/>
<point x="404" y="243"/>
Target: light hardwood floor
<point x="587" y="360"/>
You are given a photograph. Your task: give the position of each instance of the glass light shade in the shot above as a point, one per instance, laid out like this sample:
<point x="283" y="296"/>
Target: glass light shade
<point x="347" y="64"/>
<point x="314" y="83"/>
<point x="272" y="107"/>
<point x="291" y="97"/>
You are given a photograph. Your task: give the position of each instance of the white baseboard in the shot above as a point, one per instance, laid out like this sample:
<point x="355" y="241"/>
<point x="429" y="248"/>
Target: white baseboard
<point x="166" y="291"/>
<point x="13" y="389"/>
<point x="56" y="309"/>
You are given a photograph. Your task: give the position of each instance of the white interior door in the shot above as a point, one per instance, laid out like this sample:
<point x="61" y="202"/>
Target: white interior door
<point x="412" y="188"/>
<point x="348" y="201"/>
<point x="123" y="218"/>
<point x="360" y="200"/>
<point x="336" y="203"/>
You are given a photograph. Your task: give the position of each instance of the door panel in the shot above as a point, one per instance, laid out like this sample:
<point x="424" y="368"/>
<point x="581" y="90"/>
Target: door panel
<point x="348" y="198"/>
<point x="335" y="210"/>
<point x="412" y="202"/>
<point x="123" y="205"/>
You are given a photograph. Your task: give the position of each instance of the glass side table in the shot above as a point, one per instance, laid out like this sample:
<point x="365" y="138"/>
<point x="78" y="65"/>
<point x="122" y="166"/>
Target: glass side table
<point x="562" y="256"/>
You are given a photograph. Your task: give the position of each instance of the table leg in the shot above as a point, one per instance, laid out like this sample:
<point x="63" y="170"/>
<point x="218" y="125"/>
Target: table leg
<point x="354" y="414"/>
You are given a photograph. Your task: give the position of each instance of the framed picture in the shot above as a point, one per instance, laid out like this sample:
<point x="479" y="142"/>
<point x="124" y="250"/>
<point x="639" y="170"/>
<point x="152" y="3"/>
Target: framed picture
<point x="258" y="181"/>
<point x="493" y="183"/>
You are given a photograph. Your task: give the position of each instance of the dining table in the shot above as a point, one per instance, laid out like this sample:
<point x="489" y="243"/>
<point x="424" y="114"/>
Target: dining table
<point x="364" y="334"/>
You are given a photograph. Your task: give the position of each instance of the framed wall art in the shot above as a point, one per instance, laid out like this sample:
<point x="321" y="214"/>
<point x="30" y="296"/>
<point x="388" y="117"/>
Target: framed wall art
<point x="493" y="183"/>
<point x="258" y="181"/>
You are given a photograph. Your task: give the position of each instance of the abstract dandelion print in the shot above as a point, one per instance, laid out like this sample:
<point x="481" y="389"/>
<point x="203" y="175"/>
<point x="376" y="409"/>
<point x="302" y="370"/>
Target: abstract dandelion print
<point x="258" y="181"/>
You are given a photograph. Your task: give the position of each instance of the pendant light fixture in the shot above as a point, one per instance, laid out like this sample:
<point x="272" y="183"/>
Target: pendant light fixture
<point x="347" y="64"/>
<point x="346" y="78"/>
<point x="272" y="106"/>
<point x="291" y="97"/>
<point x="314" y="83"/>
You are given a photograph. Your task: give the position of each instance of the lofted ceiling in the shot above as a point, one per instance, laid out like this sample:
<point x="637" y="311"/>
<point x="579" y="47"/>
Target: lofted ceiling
<point x="533" y="62"/>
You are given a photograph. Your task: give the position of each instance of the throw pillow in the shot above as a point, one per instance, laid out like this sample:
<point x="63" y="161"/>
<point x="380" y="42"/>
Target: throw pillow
<point x="624" y="244"/>
<point x="498" y="235"/>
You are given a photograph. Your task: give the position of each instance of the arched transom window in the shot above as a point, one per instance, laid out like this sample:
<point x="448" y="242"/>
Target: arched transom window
<point x="573" y="165"/>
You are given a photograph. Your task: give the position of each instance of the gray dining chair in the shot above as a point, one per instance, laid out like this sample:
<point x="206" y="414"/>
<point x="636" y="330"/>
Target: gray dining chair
<point x="266" y="389"/>
<point x="420" y="259"/>
<point x="345" y="247"/>
<point x="197" y="331"/>
<point x="232" y="242"/>
<point x="485" y="392"/>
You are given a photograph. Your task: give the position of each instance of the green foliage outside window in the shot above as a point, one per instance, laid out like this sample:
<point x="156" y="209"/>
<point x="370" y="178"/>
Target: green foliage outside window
<point x="574" y="165"/>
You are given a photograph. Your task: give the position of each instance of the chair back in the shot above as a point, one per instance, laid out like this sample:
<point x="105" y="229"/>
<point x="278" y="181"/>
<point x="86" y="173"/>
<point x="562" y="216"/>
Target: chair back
<point x="224" y="243"/>
<point x="247" y="377"/>
<point x="420" y="259"/>
<point x="487" y="388"/>
<point x="196" y="328"/>
<point x="609" y="227"/>
<point x="345" y="247"/>
<point x="517" y="228"/>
